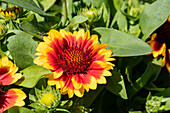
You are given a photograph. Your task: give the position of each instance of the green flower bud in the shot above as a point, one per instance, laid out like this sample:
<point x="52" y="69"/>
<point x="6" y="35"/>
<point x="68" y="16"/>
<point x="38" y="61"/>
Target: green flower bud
<point x="49" y="98"/>
<point x="92" y="14"/>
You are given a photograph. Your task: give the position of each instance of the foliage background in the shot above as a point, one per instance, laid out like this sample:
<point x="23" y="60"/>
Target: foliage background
<point x="138" y="84"/>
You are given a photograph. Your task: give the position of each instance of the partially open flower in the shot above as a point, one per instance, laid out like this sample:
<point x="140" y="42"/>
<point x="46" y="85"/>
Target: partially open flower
<point x="8" y="71"/>
<point x="77" y="62"/>
<point x="12" y="97"/>
<point x="160" y="43"/>
<point x="11" y="12"/>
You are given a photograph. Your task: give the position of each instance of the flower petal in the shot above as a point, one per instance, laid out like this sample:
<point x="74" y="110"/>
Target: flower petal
<point x="12" y="97"/>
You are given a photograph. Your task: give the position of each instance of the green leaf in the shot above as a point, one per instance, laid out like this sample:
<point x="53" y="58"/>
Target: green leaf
<point x="116" y="85"/>
<point x="150" y="74"/>
<point x="167" y="105"/>
<point x="28" y="4"/>
<point x="69" y="4"/>
<point x="31" y="75"/>
<point x="22" y="48"/>
<point x="118" y="4"/>
<point x="36" y="106"/>
<point x="121" y="21"/>
<point x="2" y="54"/>
<point x="62" y="110"/>
<point x="154" y="16"/>
<point x="14" y="109"/>
<point x="77" y="20"/>
<point x="31" y="26"/>
<point x="165" y="93"/>
<point x="25" y="110"/>
<point x="89" y="97"/>
<point x="123" y="44"/>
<point x="47" y="4"/>
<point x="135" y="111"/>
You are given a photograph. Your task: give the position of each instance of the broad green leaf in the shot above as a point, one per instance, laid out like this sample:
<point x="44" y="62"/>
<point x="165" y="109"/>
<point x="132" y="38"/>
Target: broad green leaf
<point x="118" y="4"/>
<point x="30" y="25"/>
<point x="116" y="85"/>
<point x="154" y="16"/>
<point x="31" y="29"/>
<point x="89" y="97"/>
<point x="150" y="74"/>
<point x="31" y="75"/>
<point x="47" y="4"/>
<point x="123" y="44"/>
<point x="28" y="4"/>
<point x="22" y="48"/>
<point x="77" y="20"/>
<point x="14" y="109"/>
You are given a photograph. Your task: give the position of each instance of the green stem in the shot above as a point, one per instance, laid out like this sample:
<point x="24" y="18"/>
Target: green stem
<point x="64" y="12"/>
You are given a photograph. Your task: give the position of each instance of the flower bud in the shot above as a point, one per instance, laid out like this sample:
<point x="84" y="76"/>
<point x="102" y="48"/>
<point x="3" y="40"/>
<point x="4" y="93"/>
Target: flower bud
<point x="91" y="13"/>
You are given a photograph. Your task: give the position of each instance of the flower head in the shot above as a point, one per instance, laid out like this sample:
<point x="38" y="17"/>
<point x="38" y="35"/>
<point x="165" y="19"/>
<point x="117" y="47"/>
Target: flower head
<point x="77" y="62"/>
<point x="10" y="12"/>
<point x="8" y="71"/>
<point x="160" y="43"/>
<point x="12" y="97"/>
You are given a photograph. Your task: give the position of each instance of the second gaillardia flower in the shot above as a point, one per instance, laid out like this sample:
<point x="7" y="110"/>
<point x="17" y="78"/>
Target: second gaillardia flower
<point x="75" y="59"/>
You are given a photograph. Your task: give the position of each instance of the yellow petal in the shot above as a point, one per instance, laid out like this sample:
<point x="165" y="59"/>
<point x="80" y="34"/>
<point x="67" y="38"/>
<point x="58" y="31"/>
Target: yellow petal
<point x="16" y="77"/>
<point x="87" y="35"/>
<point x="57" y="73"/>
<point x="80" y="33"/>
<point x="94" y="38"/>
<point x="79" y="92"/>
<point x="75" y="83"/>
<point x="63" y="32"/>
<point x="101" y="80"/>
<point x="70" y="93"/>
<point x="55" y="34"/>
<point x="106" y="73"/>
<point x="93" y="83"/>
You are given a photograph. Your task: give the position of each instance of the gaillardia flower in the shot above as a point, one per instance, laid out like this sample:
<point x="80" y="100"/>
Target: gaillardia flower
<point x="77" y="62"/>
<point x="10" y="12"/>
<point x="12" y="97"/>
<point x="8" y="71"/>
<point x="160" y="43"/>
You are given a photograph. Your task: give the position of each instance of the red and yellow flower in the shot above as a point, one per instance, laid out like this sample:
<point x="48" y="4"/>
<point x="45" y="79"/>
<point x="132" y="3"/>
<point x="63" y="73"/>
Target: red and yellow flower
<point x="160" y="43"/>
<point x="8" y="71"/>
<point x="75" y="59"/>
<point x="12" y="97"/>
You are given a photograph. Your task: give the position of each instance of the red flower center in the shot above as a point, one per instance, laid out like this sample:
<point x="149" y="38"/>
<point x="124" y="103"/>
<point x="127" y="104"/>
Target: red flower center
<point x="163" y="34"/>
<point x="75" y="60"/>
